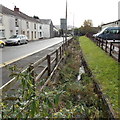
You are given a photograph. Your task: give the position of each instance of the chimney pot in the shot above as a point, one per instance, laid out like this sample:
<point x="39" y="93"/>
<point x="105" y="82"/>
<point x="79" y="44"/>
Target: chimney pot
<point x="16" y="9"/>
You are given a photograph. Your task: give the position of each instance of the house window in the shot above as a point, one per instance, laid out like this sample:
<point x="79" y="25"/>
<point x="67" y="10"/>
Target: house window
<point x="11" y="32"/>
<point x="2" y="33"/>
<point x="40" y="27"/>
<point x="27" y="24"/>
<point x="16" y="23"/>
<point x="34" y="26"/>
<point x="35" y="34"/>
<point x="23" y="32"/>
<point x="16" y="32"/>
<point x="116" y="23"/>
<point x="40" y="34"/>
<point x="0" y="19"/>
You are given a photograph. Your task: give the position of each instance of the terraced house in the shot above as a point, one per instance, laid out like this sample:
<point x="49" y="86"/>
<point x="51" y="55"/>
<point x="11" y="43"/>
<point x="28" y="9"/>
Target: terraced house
<point x="111" y="24"/>
<point x="14" y="22"/>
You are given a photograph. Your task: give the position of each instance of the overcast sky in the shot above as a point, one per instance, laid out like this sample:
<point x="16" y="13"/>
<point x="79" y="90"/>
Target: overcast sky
<point x="99" y="11"/>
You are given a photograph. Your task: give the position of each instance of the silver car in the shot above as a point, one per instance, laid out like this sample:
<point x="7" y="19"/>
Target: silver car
<point x="17" y="39"/>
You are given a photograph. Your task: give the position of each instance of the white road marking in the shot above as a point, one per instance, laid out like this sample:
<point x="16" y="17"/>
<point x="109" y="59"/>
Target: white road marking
<point x="14" y="60"/>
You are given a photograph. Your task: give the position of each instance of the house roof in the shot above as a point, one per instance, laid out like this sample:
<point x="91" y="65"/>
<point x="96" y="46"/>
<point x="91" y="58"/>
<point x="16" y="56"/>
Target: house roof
<point x="19" y="14"/>
<point x="45" y="21"/>
<point x="111" y="22"/>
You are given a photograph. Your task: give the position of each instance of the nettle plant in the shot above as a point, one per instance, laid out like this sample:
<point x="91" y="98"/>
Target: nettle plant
<point x="27" y="102"/>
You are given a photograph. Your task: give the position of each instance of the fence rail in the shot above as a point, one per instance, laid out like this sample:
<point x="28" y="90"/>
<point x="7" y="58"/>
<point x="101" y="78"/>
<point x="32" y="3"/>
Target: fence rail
<point x="49" y="64"/>
<point x="112" y="47"/>
<point x="49" y="61"/>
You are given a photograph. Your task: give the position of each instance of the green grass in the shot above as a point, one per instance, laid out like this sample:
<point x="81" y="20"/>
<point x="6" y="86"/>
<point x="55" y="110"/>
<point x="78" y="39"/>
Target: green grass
<point x="104" y="68"/>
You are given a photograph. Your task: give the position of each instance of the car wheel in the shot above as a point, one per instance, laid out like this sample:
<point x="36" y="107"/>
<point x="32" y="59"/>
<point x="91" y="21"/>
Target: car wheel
<point x="2" y="45"/>
<point x="26" y="42"/>
<point x="18" y="43"/>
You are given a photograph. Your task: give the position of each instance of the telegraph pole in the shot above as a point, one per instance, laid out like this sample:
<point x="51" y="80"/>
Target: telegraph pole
<point x="66" y="23"/>
<point x="73" y="25"/>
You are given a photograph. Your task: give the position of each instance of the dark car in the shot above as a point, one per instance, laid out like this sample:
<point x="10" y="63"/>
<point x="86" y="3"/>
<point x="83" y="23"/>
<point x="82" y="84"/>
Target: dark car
<point x="110" y="33"/>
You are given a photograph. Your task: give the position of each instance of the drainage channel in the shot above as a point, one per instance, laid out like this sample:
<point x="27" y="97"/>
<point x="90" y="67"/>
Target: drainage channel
<point x="106" y="106"/>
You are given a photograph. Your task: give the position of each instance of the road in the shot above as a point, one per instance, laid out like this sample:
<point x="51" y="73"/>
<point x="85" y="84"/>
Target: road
<point x="11" y="54"/>
<point x="25" y="54"/>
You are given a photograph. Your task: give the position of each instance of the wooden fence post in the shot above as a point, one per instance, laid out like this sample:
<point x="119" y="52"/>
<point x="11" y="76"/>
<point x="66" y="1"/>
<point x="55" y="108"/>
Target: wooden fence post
<point x="110" y="48"/>
<point x="56" y="56"/>
<point x="31" y="71"/>
<point x="106" y="46"/>
<point x="96" y="40"/>
<point x="49" y="65"/>
<point x="102" y="44"/>
<point x="113" y="44"/>
<point x="119" y="54"/>
<point x="60" y="52"/>
<point x="99" y="42"/>
<point x="62" y="49"/>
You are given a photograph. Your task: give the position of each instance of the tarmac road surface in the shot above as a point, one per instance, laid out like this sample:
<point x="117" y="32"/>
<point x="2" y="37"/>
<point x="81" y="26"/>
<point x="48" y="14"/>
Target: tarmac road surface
<point x="23" y="55"/>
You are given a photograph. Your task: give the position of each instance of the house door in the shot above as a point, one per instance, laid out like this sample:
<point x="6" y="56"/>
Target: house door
<point x="23" y="32"/>
<point x="32" y="35"/>
<point x="28" y="34"/>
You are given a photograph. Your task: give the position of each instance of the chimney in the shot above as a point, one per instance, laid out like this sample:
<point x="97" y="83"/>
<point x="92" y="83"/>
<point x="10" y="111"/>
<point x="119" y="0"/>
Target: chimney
<point x="16" y="9"/>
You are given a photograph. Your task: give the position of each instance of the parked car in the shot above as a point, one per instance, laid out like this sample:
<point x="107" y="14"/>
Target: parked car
<point x="2" y="43"/>
<point x="17" y="39"/>
<point x="110" y="33"/>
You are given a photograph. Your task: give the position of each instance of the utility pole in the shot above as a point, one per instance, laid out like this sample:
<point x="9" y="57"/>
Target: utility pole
<point x="66" y="22"/>
<point x="73" y="25"/>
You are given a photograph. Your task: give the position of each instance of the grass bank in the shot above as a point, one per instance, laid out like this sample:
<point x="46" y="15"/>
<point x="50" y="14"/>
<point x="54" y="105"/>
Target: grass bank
<point x="104" y="68"/>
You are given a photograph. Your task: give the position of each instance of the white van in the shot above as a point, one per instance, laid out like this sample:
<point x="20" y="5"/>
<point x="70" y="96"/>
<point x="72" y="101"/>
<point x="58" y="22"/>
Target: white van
<point x="110" y="33"/>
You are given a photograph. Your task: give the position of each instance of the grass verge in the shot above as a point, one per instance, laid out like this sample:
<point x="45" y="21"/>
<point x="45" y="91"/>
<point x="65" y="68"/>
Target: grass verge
<point x="104" y="68"/>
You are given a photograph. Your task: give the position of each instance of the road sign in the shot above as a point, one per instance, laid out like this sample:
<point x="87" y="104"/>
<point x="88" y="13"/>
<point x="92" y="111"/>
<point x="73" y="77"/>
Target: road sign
<point x="63" y="24"/>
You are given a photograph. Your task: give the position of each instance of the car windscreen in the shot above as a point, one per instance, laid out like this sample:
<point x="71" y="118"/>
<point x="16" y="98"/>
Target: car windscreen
<point x="14" y="36"/>
<point x="102" y="30"/>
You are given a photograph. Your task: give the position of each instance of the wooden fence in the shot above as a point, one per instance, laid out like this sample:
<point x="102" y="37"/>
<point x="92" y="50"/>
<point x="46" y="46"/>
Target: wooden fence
<point x="44" y="66"/>
<point x="49" y="64"/>
<point x="112" y="47"/>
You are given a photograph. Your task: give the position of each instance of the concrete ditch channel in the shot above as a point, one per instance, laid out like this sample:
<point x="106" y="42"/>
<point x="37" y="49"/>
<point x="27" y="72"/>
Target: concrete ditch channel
<point x="106" y="107"/>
